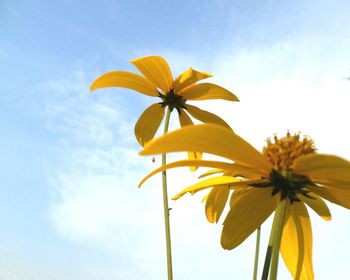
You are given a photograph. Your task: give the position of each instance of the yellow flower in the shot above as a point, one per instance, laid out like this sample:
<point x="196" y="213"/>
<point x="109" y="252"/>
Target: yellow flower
<point x="157" y="81"/>
<point x="288" y="169"/>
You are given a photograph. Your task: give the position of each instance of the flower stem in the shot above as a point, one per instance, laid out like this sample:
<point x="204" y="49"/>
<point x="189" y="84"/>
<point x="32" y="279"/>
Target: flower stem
<point x="267" y="262"/>
<point x="279" y="216"/>
<point x="257" y="247"/>
<point x="166" y="206"/>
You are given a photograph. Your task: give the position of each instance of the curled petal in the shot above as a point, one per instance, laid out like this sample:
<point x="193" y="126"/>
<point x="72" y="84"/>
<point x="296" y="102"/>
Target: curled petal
<point x="216" y="202"/>
<point x="213" y="139"/>
<point x="186" y="163"/>
<point x="210" y="172"/>
<point x="206" y="91"/>
<point x="248" y="211"/>
<point x="125" y="80"/>
<point x="148" y="123"/>
<point x="205" y="116"/>
<point x="296" y="242"/>
<point x="155" y="69"/>
<point x="189" y="77"/>
<point x="221" y="181"/>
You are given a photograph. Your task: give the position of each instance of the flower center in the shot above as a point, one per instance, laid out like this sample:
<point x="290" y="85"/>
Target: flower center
<point x="282" y="152"/>
<point x="172" y="100"/>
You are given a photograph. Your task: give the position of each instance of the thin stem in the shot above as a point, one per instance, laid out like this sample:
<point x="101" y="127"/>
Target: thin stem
<point x="267" y="262"/>
<point x="257" y="248"/>
<point x="280" y="214"/>
<point x="166" y="206"/>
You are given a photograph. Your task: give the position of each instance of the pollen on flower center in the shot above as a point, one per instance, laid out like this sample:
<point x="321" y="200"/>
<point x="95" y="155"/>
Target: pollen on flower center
<point x="283" y="151"/>
<point x="172" y="100"/>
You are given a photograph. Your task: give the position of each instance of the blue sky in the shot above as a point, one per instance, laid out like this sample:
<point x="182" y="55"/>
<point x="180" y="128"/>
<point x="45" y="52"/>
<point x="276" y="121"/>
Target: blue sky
<point x="69" y="206"/>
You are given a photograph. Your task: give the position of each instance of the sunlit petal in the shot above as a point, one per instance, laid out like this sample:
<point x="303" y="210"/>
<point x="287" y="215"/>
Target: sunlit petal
<point x="148" y="123"/>
<point x="125" y="80"/>
<point x="189" y="77"/>
<point x="206" y="91"/>
<point x="247" y="213"/>
<point x="157" y="70"/>
<point x="317" y="204"/>
<point x="187" y="163"/>
<point x="213" y="139"/>
<point x="205" y="116"/>
<point x="296" y="242"/>
<point x="215" y="204"/>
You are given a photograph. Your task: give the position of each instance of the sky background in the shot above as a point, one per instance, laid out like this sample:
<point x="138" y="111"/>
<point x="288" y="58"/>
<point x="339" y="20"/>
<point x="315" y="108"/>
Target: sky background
<point x="69" y="164"/>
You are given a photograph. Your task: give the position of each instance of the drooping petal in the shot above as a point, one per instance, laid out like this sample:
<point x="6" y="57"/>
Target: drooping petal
<point x="323" y="167"/>
<point x="213" y="139"/>
<point x="125" y="80"/>
<point x="155" y="69"/>
<point x="187" y="163"/>
<point x="296" y="242"/>
<point x="338" y="196"/>
<point x="211" y="182"/>
<point x="215" y="204"/>
<point x="206" y="91"/>
<point x="247" y="213"/>
<point x="317" y="204"/>
<point x="205" y="116"/>
<point x="210" y="172"/>
<point x="148" y="123"/>
<point x="187" y="78"/>
<point x="184" y="121"/>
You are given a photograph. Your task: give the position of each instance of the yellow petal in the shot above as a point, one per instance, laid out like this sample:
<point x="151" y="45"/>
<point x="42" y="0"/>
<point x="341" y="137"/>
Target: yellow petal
<point x="125" y="80"/>
<point x="205" y="198"/>
<point x="237" y="193"/>
<point x="216" y="202"/>
<point x="148" y="123"/>
<point x="247" y="213"/>
<point x="296" y="242"/>
<point x="213" y="139"/>
<point x="186" y="163"/>
<point x="317" y="204"/>
<point x="211" y="182"/>
<point x="210" y="172"/>
<point x="184" y="121"/>
<point x="206" y="91"/>
<point x="323" y="167"/>
<point x="239" y="170"/>
<point x="155" y="69"/>
<point x="338" y="196"/>
<point x="189" y="77"/>
<point x="205" y="116"/>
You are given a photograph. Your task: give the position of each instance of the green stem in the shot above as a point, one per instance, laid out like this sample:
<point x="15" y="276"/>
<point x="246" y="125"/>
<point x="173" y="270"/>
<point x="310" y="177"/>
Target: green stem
<point x="267" y="262"/>
<point x="166" y="206"/>
<point x="279" y="216"/>
<point x="257" y="247"/>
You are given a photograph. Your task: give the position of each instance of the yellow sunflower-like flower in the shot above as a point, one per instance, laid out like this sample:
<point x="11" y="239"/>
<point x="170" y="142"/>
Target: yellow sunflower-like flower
<point x="157" y="81"/>
<point x="288" y="171"/>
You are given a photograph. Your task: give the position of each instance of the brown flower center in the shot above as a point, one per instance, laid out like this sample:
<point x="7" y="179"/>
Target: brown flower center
<point x="172" y="100"/>
<point x="282" y="152"/>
